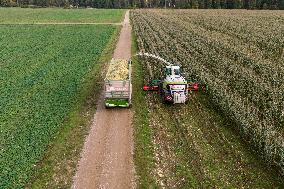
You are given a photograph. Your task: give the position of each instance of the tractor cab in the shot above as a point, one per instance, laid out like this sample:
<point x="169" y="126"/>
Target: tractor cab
<point x="172" y="71"/>
<point x="174" y="86"/>
<point x="173" y="75"/>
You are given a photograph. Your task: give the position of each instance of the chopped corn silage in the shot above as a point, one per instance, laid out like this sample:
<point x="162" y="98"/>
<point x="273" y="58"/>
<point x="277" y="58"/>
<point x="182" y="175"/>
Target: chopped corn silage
<point x="118" y="70"/>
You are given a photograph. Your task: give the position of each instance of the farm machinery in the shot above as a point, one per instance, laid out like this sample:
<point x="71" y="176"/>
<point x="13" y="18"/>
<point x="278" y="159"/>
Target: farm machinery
<point x="118" y="87"/>
<point x="173" y="87"/>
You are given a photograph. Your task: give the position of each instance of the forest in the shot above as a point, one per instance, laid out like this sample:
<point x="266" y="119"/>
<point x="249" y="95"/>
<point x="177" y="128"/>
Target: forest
<point x="174" y="4"/>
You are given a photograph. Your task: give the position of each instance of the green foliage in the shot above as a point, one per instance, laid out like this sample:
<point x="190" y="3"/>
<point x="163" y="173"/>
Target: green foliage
<point x="63" y="154"/>
<point x="55" y="15"/>
<point x="239" y="54"/>
<point x="42" y="71"/>
<point x="143" y="154"/>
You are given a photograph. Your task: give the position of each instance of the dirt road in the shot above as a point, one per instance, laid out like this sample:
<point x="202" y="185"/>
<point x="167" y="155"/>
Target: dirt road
<point x="107" y="158"/>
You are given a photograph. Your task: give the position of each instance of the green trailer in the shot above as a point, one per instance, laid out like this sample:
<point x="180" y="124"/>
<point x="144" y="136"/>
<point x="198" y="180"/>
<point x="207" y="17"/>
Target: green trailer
<point x="118" y="87"/>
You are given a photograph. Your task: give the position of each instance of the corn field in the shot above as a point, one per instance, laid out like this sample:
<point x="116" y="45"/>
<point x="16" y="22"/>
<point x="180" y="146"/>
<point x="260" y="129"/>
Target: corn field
<point x="238" y="54"/>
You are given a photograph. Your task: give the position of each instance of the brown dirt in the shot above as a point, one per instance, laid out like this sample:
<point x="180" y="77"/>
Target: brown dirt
<point x="107" y="157"/>
<point x="123" y="48"/>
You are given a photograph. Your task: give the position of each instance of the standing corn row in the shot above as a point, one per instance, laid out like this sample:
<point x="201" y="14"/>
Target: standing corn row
<point x="240" y="57"/>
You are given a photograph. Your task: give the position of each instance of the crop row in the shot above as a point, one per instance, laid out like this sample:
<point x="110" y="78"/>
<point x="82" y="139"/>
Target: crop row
<point x="42" y="71"/>
<point x="242" y="67"/>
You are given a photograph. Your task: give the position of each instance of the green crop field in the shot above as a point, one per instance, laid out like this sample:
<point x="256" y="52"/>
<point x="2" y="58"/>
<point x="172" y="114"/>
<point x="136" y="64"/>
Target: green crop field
<point x="56" y="15"/>
<point x="42" y="69"/>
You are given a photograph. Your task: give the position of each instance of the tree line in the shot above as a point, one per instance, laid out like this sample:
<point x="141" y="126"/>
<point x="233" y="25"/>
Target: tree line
<point x="187" y="4"/>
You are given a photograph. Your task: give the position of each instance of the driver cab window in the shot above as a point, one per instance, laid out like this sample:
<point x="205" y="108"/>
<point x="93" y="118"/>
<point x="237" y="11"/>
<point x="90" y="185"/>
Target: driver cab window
<point x="177" y="72"/>
<point x="168" y="71"/>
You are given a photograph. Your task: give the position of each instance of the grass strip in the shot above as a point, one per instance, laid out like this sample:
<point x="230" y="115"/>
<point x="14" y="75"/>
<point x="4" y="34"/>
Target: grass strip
<point x="144" y="152"/>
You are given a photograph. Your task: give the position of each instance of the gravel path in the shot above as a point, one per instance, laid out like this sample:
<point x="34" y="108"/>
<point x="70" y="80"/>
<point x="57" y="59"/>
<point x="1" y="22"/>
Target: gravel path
<point x="107" y="157"/>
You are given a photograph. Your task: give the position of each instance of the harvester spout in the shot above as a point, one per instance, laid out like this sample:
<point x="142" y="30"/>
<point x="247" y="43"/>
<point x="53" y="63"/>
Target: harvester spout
<point x="154" y="56"/>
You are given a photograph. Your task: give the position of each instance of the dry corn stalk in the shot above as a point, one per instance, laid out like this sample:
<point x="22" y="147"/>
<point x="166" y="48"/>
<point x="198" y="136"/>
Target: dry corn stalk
<point x="118" y="70"/>
<point x="243" y="69"/>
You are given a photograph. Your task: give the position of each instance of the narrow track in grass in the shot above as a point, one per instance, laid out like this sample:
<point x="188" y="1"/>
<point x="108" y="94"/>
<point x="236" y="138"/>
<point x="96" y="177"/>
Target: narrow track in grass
<point x="107" y="157"/>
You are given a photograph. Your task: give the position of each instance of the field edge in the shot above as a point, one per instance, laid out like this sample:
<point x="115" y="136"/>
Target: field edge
<point x="143" y="146"/>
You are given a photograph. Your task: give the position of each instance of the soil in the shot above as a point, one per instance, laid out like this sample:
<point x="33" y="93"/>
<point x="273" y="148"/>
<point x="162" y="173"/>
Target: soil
<point x="107" y="157"/>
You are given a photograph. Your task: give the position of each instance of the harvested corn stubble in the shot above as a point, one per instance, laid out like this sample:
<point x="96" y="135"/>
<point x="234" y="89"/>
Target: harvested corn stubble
<point x="118" y="70"/>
